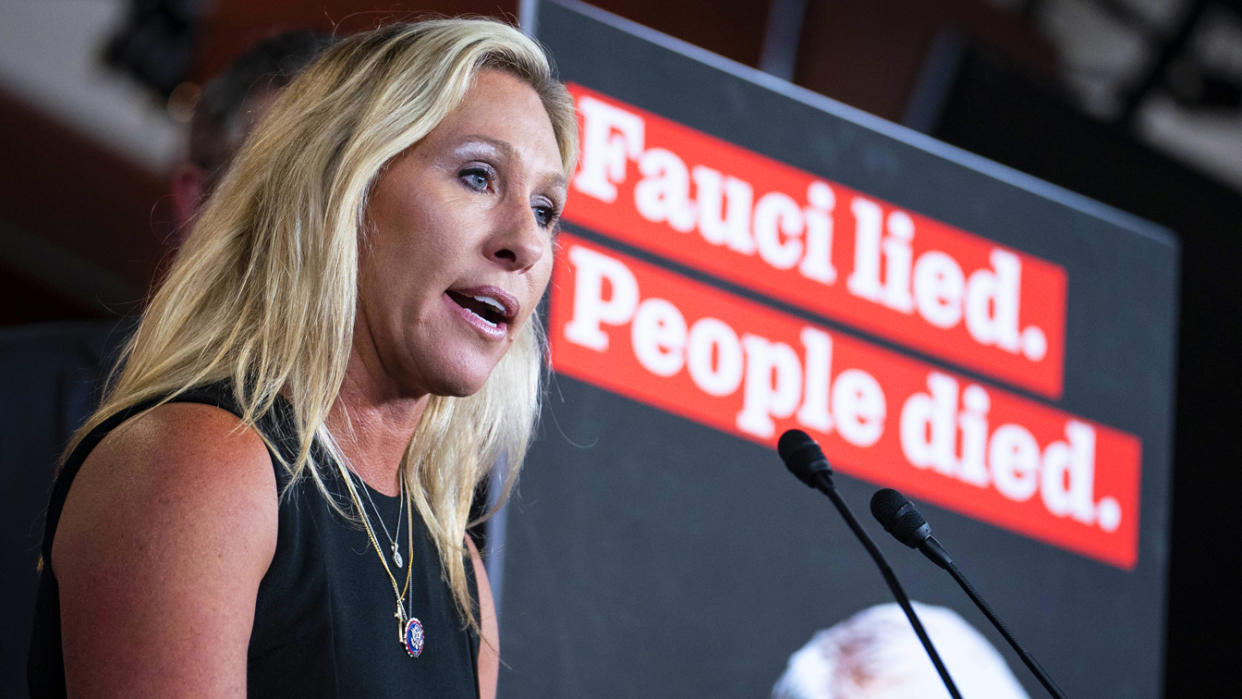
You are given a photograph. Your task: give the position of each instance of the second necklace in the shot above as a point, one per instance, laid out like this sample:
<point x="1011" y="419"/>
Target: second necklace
<point x="410" y="632"/>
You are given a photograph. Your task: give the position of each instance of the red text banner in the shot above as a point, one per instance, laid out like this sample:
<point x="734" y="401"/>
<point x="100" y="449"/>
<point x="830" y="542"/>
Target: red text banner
<point x="831" y="250"/>
<point x="651" y="335"/>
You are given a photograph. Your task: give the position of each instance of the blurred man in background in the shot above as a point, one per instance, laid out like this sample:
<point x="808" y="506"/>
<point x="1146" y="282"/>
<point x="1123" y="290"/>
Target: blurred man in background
<point x="230" y="105"/>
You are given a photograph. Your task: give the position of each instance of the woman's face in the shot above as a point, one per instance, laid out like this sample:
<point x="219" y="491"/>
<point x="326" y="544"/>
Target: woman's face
<point x="459" y="244"/>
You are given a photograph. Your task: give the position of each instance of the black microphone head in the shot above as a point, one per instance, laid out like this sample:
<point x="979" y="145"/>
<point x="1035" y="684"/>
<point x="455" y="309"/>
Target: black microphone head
<point x="900" y="518"/>
<point x="803" y="457"/>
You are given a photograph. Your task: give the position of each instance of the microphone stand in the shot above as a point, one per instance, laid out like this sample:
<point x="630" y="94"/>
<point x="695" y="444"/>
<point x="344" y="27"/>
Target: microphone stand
<point x="938" y="555"/>
<point x="899" y="517"/>
<point x="823" y="483"/>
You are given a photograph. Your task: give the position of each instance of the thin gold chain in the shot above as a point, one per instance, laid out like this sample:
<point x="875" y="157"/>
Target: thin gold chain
<point x="366" y="521"/>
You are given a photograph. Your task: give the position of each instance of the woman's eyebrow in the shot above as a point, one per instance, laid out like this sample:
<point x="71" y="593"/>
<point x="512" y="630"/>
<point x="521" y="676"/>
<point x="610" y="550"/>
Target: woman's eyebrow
<point x="474" y="139"/>
<point x="551" y="178"/>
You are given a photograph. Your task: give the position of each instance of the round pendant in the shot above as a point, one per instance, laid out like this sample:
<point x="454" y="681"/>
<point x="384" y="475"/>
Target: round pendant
<point x="414" y="639"/>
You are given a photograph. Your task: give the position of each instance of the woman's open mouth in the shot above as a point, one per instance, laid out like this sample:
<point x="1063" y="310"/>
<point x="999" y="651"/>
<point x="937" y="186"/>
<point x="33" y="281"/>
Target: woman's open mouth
<point x="490" y="308"/>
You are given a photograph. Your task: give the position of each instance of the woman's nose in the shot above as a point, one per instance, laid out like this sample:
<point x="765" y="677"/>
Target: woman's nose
<point x="520" y="241"/>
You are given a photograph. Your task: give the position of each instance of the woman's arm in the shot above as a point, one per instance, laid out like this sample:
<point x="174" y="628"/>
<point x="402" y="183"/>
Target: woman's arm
<point x="165" y="535"/>
<point x="489" y="632"/>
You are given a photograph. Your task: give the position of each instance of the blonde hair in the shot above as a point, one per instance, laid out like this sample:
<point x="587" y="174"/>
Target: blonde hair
<point x="264" y="292"/>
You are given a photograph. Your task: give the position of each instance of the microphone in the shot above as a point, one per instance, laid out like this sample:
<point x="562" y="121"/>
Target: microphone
<point x="805" y="459"/>
<point x="902" y="519"/>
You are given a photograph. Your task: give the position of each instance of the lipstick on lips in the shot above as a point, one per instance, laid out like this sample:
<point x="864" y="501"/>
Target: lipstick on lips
<point x="489" y="308"/>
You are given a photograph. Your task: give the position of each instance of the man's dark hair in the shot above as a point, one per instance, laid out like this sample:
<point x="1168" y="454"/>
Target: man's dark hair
<point x="217" y="127"/>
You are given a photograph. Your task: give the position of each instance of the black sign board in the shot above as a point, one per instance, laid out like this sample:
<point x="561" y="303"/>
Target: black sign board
<point x="741" y="256"/>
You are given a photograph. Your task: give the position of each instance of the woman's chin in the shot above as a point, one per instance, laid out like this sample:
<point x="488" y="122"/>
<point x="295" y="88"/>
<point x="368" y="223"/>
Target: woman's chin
<point x="457" y="384"/>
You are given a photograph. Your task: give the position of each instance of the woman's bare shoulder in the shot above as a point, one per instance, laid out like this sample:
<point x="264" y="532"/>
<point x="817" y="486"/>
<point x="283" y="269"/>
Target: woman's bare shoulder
<point x="166" y="533"/>
<point x="176" y="457"/>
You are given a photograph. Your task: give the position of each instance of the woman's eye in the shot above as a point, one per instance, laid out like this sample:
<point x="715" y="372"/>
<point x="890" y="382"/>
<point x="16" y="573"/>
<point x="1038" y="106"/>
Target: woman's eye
<point x="545" y="215"/>
<point x="477" y="179"/>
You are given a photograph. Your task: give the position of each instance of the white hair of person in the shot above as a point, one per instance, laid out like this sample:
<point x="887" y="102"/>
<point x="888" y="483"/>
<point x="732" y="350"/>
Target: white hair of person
<point x="264" y="292"/>
<point x="875" y="654"/>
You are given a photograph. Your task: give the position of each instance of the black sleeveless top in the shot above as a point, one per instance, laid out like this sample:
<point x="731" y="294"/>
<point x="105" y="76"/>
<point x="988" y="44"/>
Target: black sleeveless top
<point x="323" y="623"/>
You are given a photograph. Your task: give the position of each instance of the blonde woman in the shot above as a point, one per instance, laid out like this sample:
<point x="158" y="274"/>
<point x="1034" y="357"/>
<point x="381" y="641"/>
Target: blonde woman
<point x="274" y="494"/>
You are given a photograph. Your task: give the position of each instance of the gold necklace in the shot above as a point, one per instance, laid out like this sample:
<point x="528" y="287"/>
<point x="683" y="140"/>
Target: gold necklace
<point x="409" y="629"/>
